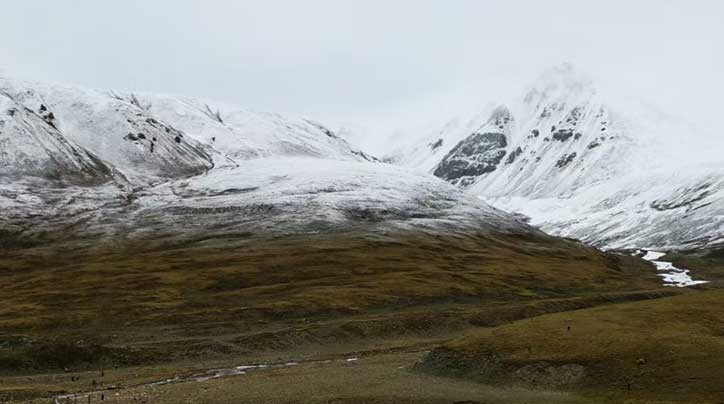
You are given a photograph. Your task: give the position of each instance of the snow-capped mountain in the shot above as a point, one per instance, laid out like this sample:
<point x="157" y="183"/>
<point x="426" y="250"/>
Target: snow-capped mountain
<point x="667" y="209"/>
<point x="152" y="138"/>
<point x="102" y="164"/>
<point x="32" y="145"/>
<point x="242" y="134"/>
<point x="120" y="133"/>
<point x="571" y="161"/>
<point x="580" y="165"/>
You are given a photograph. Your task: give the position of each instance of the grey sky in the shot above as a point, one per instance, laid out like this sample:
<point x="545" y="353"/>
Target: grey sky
<point x="375" y="63"/>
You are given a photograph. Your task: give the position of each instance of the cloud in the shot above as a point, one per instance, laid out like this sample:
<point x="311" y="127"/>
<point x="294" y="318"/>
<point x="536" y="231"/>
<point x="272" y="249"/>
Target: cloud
<point x="380" y="64"/>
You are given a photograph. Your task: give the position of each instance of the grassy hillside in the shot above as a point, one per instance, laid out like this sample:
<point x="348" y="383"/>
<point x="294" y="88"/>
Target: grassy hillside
<point x="295" y="277"/>
<point x="83" y="305"/>
<point x="661" y="349"/>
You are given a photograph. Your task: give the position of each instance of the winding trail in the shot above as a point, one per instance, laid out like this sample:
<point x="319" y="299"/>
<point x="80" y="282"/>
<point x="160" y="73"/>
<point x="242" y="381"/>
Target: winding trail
<point x="197" y="377"/>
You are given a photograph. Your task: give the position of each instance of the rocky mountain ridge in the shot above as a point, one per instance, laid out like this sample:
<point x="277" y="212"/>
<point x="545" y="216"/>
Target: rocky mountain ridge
<point x="105" y="165"/>
<point x="575" y="164"/>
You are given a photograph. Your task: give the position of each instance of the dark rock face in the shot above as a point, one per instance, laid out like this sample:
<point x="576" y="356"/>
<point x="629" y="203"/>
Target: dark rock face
<point x="574" y="116"/>
<point x="566" y="160"/>
<point x="478" y="154"/>
<point x="687" y="198"/>
<point x="562" y="134"/>
<point x="593" y="145"/>
<point x="436" y="145"/>
<point x="514" y="155"/>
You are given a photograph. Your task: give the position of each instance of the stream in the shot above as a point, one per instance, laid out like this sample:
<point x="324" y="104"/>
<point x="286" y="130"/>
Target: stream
<point x="672" y="275"/>
<point x="198" y="377"/>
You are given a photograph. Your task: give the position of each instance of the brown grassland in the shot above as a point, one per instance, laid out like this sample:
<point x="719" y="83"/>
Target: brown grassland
<point x="432" y="318"/>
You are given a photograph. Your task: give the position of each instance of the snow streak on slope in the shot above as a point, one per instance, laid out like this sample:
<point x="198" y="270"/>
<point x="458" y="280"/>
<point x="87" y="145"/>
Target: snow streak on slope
<point x="666" y="210"/>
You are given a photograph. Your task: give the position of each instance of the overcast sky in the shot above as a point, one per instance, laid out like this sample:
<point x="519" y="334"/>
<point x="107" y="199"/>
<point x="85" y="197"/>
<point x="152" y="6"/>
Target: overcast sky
<point x="372" y="63"/>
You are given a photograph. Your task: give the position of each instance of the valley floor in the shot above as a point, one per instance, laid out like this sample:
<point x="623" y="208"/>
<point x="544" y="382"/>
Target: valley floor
<point x="394" y="370"/>
<point x="377" y="377"/>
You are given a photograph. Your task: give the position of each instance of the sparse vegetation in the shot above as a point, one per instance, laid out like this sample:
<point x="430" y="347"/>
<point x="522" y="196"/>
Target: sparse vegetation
<point x="643" y="351"/>
<point x="250" y="298"/>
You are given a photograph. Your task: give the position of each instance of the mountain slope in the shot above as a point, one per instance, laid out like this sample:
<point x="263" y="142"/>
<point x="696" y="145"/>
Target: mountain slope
<point x="663" y="209"/>
<point x="579" y="165"/>
<point x="120" y="132"/>
<point x="178" y="168"/>
<point x="205" y="239"/>
<point x="241" y="133"/>
<point x="480" y="153"/>
<point x="31" y="145"/>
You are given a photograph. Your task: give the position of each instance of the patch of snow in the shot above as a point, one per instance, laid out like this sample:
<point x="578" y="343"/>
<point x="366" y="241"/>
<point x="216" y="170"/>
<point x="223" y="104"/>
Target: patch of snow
<point x="658" y="210"/>
<point x="653" y="255"/>
<point x="671" y="275"/>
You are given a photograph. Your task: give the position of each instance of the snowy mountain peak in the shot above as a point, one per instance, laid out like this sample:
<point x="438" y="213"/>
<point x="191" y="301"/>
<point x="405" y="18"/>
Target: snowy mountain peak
<point x="562" y="150"/>
<point x="558" y="88"/>
<point x="559" y="81"/>
<point x="501" y="116"/>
